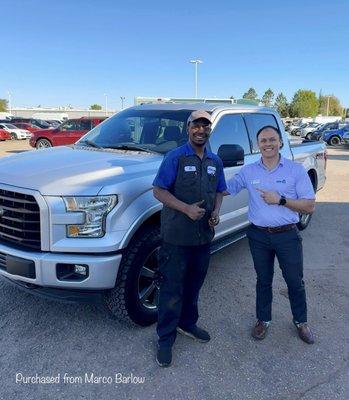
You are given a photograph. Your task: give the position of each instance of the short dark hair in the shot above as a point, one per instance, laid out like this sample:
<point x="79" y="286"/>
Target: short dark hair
<point x="269" y="127"/>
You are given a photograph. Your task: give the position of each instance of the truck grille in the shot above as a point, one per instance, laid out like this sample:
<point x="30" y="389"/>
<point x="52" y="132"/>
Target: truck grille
<point x="19" y="219"/>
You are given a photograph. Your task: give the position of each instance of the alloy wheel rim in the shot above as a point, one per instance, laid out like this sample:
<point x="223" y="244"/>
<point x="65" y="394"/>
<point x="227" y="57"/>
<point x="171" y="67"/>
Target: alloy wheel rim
<point x="148" y="290"/>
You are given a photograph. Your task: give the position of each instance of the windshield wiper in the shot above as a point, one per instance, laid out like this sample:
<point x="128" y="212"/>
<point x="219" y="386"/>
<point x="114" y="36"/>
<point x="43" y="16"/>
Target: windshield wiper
<point x="90" y="143"/>
<point x="131" y="147"/>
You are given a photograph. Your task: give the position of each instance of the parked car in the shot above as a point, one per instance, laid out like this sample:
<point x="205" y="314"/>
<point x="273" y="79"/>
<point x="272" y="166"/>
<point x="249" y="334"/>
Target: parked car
<point x="67" y="133"/>
<point x="4" y="135"/>
<point x="38" y="122"/>
<point x="294" y="125"/>
<point x="297" y="131"/>
<point x="15" y="132"/>
<point x="307" y="130"/>
<point x="335" y="136"/>
<point x="91" y="230"/>
<point x="318" y="133"/>
<point x="27" y="126"/>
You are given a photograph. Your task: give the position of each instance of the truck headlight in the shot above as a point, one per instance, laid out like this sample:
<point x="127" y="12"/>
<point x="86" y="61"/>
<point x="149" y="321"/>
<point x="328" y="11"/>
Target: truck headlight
<point x="96" y="209"/>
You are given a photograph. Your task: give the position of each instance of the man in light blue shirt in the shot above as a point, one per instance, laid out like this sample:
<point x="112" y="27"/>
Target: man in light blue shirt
<point x="279" y="189"/>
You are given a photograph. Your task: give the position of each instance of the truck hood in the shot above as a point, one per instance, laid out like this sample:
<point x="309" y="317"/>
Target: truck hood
<point x="67" y="170"/>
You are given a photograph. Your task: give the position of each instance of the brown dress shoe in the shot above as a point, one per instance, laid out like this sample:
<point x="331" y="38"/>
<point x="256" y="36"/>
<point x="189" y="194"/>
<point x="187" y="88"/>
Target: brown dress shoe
<point x="305" y="333"/>
<point x="260" y="330"/>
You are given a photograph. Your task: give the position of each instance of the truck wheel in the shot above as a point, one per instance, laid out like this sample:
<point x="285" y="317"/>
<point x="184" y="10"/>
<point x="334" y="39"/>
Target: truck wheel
<point x="304" y="219"/>
<point x="334" y="141"/>
<point x="135" y="295"/>
<point x="308" y="137"/>
<point x="43" y="144"/>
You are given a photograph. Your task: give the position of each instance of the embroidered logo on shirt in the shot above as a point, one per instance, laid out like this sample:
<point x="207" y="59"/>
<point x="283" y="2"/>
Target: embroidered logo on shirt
<point x="281" y="181"/>
<point x="189" y="168"/>
<point x="255" y="182"/>
<point x="211" y="170"/>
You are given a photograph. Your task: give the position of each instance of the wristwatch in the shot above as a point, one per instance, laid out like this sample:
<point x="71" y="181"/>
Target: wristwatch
<point x="282" y="200"/>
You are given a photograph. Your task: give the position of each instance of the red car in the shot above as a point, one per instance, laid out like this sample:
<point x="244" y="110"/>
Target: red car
<point x="4" y="135"/>
<point x="67" y="133"/>
<point x="26" y="125"/>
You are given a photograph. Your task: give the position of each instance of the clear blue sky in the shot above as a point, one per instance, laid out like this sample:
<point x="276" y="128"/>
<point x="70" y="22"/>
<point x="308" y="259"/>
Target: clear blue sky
<point x="60" y="52"/>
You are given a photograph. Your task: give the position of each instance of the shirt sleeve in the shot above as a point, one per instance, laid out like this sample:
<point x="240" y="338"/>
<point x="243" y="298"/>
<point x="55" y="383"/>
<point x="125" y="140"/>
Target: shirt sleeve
<point x="237" y="183"/>
<point x="221" y="185"/>
<point x="304" y="187"/>
<point x="167" y="172"/>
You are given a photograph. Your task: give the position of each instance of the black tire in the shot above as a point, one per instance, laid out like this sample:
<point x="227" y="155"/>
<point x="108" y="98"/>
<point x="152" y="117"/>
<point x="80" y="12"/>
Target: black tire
<point x="43" y="144"/>
<point x="13" y="136"/>
<point x="334" y="141"/>
<point x="308" y="136"/>
<point x="304" y="219"/>
<point x="137" y="277"/>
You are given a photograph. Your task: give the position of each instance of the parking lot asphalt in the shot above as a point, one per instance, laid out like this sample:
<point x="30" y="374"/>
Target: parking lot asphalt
<point x="45" y="338"/>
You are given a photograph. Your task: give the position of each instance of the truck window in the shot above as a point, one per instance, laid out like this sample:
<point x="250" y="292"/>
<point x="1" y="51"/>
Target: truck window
<point x="230" y="129"/>
<point x="84" y="125"/>
<point x="255" y="122"/>
<point x="71" y="125"/>
<point x="158" y="130"/>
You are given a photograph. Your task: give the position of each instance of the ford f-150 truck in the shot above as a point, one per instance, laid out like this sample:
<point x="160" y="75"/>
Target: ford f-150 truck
<point x="80" y="222"/>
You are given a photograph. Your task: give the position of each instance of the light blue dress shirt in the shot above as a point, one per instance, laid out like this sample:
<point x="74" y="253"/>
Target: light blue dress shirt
<point x="288" y="178"/>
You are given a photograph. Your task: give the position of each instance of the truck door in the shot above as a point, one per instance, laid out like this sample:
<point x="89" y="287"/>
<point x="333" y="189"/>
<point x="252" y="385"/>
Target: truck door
<point x="231" y="129"/>
<point x="66" y="133"/>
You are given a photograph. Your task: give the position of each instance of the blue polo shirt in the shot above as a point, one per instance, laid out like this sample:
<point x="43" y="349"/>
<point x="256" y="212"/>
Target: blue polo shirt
<point x="167" y="173"/>
<point x="288" y="178"/>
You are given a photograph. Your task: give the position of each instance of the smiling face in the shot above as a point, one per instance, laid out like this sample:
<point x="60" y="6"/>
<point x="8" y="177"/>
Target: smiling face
<point x="199" y="132"/>
<point x="269" y="143"/>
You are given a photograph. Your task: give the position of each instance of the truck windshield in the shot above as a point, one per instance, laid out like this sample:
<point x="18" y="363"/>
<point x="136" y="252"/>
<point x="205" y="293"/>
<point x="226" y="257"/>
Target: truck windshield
<point x="154" y="130"/>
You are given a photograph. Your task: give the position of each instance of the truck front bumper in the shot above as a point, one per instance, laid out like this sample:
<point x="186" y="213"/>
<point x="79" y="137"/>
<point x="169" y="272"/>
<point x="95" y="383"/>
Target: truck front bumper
<point x="43" y="269"/>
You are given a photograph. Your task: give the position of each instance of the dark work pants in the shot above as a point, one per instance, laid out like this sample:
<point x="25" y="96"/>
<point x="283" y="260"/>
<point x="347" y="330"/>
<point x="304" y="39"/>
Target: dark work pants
<point x="287" y="246"/>
<point x="183" y="270"/>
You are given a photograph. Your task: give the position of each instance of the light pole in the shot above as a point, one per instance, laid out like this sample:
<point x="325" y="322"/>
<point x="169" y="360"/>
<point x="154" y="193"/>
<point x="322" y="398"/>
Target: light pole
<point x="9" y="101"/>
<point x="122" y="102"/>
<point x="106" y="103"/>
<point x="196" y="62"/>
<point x="328" y="103"/>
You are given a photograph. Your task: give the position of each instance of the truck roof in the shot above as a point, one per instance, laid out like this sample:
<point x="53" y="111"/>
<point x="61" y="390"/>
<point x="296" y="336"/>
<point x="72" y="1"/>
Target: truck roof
<point x="210" y="107"/>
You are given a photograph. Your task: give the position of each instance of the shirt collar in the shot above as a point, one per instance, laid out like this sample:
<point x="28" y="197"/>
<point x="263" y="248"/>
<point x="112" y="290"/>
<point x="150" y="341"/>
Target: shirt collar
<point x="189" y="151"/>
<point x="280" y="164"/>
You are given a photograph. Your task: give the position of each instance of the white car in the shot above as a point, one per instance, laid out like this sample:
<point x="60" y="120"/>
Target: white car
<point x="306" y="132"/>
<point x="15" y="132"/>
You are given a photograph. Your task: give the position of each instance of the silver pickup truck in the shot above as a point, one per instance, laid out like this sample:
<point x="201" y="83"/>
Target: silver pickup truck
<point x="80" y="223"/>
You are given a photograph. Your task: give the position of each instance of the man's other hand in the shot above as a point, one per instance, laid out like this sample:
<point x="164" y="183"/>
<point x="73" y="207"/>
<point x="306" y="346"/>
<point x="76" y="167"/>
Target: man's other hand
<point x="195" y="212"/>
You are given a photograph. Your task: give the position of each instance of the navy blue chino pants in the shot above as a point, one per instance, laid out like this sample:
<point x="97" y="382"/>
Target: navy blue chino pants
<point x="287" y="247"/>
<point x="182" y="273"/>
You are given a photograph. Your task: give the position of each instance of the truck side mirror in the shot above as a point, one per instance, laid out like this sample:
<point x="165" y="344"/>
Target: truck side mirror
<point x="232" y="155"/>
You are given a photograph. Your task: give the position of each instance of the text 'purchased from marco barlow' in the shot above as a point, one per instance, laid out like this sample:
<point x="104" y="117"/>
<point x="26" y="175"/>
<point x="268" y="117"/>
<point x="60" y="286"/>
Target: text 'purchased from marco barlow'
<point x="87" y="378"/>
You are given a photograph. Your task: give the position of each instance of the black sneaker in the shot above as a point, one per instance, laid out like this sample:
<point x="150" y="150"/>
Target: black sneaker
<point x="195" y="333"/>
<point x="164" y="356"/>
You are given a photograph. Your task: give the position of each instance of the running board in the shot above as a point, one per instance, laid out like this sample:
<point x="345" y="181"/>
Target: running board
<point x="226" y="241"/>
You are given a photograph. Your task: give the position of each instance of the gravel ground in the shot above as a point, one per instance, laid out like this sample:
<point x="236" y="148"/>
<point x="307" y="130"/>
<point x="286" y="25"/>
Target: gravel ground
<point x="46" y="338"/>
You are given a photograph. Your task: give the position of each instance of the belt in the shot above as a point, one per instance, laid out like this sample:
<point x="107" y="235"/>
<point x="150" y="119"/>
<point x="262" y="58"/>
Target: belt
<point x="275" y="229"/>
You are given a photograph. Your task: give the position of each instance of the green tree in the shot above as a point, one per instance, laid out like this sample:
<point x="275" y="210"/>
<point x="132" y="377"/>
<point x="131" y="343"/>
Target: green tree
<point x="281" y="105"/>
<point x="304" y="104"/>
<point x="3" y="105"/>
<point x="251" y="94"/>
<point x="95" y="107"/>
<point x="330" y="104"/>
<point x="268" y="98"/>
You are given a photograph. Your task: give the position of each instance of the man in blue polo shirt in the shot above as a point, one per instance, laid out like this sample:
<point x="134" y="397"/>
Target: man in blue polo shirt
<point x="278" y="190"/>
<point x="190" y="184"/>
